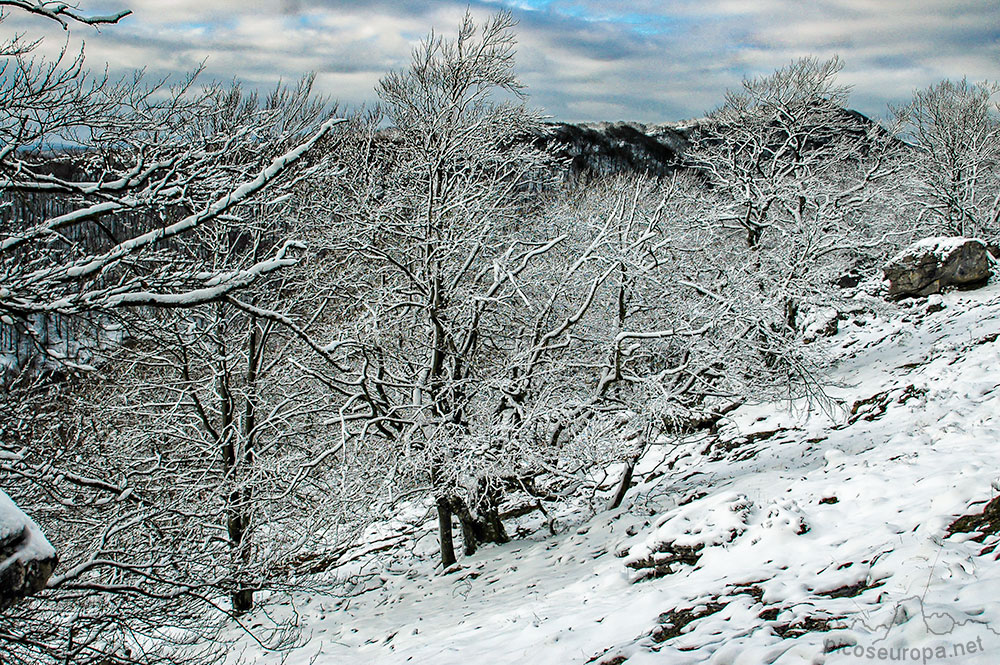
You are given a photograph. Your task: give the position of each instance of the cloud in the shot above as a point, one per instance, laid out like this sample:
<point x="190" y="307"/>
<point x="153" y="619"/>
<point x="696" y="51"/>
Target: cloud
<point x="581" y="59"/>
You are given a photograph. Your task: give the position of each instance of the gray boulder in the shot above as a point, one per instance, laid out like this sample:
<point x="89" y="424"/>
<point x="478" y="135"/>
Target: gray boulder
<point x="820" y="322"/>
<point x="931" y="264"/>
<point x="26" y="557"/>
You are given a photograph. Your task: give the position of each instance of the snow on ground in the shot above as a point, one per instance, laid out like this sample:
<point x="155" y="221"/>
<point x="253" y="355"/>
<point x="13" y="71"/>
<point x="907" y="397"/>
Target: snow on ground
<point x="940" y="246"/>
<point x="777" y="540"/>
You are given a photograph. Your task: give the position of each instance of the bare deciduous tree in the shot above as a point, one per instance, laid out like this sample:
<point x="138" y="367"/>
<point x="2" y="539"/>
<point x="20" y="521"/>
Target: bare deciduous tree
<point x="653" y="331"/>
<point x="119" y="195"/>
<point x="425" y="229"/>
<point x="955" y="127"/>
<point x="803" y="178"/>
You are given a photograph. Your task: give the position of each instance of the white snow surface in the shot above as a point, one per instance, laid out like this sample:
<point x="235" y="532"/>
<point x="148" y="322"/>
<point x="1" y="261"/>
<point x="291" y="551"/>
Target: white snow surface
<point x="811" y="519"/>
<point x="940" y="246"/>
<point x="33" y="546"/>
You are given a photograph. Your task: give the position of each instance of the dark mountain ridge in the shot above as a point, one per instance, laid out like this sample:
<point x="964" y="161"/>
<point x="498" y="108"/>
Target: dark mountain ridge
<point x="599" y="148"/>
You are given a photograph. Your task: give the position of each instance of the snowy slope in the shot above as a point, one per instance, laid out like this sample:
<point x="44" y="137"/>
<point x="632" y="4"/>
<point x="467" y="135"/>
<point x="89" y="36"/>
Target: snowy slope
<point x="776" y="540"/>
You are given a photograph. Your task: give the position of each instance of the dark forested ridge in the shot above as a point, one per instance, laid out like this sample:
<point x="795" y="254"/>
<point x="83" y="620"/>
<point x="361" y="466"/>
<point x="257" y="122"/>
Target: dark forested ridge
<point x="594" y="149"/>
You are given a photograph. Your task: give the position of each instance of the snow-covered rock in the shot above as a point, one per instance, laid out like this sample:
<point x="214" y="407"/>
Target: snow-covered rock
<point x="820" y="322"/>
<point x="26" y="557"/>
<point x="931" y="264"/>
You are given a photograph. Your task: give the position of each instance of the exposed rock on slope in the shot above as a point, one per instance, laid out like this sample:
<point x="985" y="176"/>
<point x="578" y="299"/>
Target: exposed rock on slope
<point x="932" y="264"/>
<point x="26" y="557"/>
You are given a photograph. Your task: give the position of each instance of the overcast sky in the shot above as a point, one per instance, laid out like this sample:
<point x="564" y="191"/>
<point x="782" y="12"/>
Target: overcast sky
<point x="581" y="59"/>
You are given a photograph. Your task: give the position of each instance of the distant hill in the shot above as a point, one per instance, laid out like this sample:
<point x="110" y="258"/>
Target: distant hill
<point x="600" y="148"/>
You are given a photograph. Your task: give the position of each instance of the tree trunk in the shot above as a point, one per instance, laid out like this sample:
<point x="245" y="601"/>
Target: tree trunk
<point x="242" y="499"/>
<point x="491" y="526"/>
<point x="486" y="527"/>
<point x="448" y="558"/>
<point x="791" y="315"/>
<point x="624" y="483"/>
<point x="237" y="457"/>
<point x="242" y="600"/>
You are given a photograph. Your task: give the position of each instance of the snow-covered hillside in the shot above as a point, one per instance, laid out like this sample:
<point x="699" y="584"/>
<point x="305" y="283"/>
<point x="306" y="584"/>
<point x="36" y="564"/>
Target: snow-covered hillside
<point x="785" y="537"/>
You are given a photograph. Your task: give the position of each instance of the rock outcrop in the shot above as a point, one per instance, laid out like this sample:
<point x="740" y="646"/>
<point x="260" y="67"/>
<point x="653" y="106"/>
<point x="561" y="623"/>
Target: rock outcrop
<point x="26" y="557"/>
<point x="820" y="322"/>
<point x="930" y="265"/>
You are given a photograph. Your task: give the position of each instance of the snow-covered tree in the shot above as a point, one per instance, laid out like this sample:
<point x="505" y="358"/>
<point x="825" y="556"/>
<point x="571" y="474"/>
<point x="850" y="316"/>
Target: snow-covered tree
<point x="98" y="176"/>
<point x="422" y="226"/>
<point x="202" y="474"/>
<point x="803" y="179"/>
<point x="955" y="127"/>
<point x="645" y="329"/>
<point x="123" y="202"/>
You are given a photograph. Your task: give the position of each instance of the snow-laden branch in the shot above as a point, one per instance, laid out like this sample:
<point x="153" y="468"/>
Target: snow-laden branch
<point x="63" y="13"/>
<point x="56" y="223"/>
<point x="221" y="205"/>
<point x="661" y="334"/>
<point x="50" y="288"/>
<point x="215" y="288"/>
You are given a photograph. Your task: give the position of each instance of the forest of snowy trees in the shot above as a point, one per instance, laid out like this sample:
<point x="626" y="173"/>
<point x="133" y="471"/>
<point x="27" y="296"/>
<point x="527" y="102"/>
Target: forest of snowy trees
<point x="239" y="327"/>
